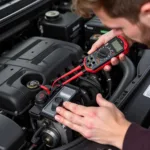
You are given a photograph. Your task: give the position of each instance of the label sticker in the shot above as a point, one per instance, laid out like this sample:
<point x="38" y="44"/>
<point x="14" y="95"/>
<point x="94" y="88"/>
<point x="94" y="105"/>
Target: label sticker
<point x="147" y="92"/>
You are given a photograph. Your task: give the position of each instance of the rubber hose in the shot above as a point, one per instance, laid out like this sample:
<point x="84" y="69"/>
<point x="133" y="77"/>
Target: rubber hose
<point x="88" y="87"/>
<point x="86" y="98"/>
<point x="128" y="75"/>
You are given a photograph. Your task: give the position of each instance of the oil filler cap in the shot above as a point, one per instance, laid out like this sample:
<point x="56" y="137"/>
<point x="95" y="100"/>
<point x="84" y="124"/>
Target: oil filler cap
<point x="33" y="84"/>
<point x="52" y="15"/>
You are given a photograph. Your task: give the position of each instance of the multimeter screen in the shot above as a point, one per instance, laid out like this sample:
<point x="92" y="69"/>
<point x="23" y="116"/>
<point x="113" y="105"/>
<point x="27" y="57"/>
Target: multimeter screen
<point x="117" y="46"/>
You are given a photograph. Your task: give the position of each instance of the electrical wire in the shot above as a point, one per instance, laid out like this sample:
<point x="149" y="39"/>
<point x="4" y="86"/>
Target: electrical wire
<point x="32" y="147"/>
<point x="32" y="124"/>
<point x="45" y="89"/>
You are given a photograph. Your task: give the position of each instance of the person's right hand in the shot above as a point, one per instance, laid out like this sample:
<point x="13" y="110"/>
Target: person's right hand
<point x="101" y="41"/>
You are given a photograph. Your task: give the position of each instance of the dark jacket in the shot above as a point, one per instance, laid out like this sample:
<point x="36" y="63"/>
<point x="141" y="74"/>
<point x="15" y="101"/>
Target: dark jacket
<point x="137" y="138"/>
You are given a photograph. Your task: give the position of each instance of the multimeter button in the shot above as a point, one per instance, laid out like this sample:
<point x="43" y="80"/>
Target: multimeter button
<point x="57" y="102"/>
<point x="90" y="65"/>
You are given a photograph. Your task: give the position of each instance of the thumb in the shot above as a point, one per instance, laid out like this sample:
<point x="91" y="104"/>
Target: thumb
<point x="97" y="45"/>
<point x="101" y="101"/>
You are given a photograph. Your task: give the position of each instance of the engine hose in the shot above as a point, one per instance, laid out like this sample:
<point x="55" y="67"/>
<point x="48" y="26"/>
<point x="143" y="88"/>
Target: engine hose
<point x="35" y="137"/>
<point x="92" y="90"/>
<point x="93" y="83"/>
<point x="95" y="80"/>
<point x="71" y="144"/>
<point x="32" y="124"/>
<point x="128" y="75"/>
<point x="86" y="98"/>
<point x="109" y="83"/>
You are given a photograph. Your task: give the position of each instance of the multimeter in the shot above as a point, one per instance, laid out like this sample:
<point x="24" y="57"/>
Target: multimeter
<point x="102" y="56"/>
<point x="98" y="59"/>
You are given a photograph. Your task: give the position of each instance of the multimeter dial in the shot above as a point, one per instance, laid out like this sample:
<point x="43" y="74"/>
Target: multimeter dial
<point x="103" y="53"/>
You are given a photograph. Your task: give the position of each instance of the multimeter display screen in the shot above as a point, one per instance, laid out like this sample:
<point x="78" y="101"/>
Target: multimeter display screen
<point x="117" y="46"/>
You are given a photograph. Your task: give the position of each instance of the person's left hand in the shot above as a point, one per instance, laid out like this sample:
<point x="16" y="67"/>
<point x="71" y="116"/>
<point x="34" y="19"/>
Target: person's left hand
<point x="105" y="124"/>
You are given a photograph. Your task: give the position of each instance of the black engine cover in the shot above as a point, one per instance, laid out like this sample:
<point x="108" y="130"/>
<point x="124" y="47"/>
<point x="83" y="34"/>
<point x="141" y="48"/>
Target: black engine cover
<point x="40" y="59"/>
<point x="12" y="136"/>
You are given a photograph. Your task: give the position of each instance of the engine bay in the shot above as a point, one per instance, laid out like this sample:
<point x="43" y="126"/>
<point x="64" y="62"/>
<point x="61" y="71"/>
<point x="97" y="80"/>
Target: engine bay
<point x="40" y="41"/>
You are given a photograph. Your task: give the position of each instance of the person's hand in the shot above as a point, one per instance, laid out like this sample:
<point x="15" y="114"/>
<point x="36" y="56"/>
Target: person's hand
<point x="101" y="41"/>
<point x="105" y="124"/>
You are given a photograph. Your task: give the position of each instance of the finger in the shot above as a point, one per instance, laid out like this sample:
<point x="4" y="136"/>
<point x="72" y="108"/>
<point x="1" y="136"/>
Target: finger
<point x="107" y="68"/>
<point x="75" y="108"/>
<point x="89" y="122"/>
<point x="97" y="45"/>
<point x="69" y="124"/>
<point x="82" y="130"/>
<point x="116" y="32"/>
<point x="102" y="40"/>
<point x="70" y="116"/>
<point x="122" y="57"/>
<point x="114" y="61"/>
<point x="101" y="101"/>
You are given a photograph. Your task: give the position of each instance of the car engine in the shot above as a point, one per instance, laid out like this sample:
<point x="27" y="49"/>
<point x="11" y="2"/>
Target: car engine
<point x="40" y="41"/>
